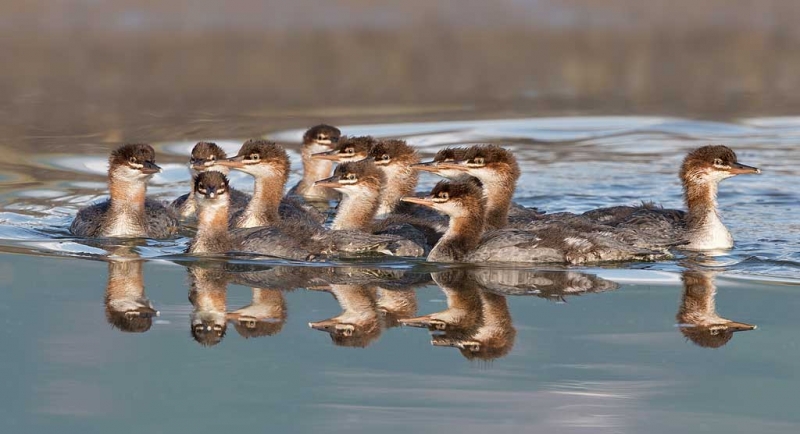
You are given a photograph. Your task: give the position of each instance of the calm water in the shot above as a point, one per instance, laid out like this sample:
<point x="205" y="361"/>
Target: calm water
<point x="631" y="348"/>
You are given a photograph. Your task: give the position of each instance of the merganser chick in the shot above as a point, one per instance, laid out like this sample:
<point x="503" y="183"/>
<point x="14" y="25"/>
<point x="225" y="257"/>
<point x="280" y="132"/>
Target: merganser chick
<point x="264" y="316"/>
<point x="697" y="316"/>
<point x="316" y="139"/>
<point x="204" y="156"/>
<point x="348" y="149"/>
<point x="207" y="294"/>
<point x="360" y="184"/>
<point x="127" y="307"/>
<point x="283" y="239"/>
<point x="359" y="324"/>
<point x="498" y="171"/>
<point x="465" y="240"/>
<point x="446" y="155"/>
<point x="268" y="163"/>
<point x="128" y="213"/>
<point x="701" y="172"/>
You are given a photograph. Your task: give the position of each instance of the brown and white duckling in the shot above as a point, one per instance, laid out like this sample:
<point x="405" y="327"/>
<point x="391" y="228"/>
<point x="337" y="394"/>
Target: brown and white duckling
<point x="446" y="155"/>
<point x="348" y="149"/>
<point x="701" y="172"/>
<point x="128" y="213"/>
<point x="697" y="315"/>
<point x="318" y="138"/>
<point x="463" y="315"/>
<point x="465" y="240"/>
<point x="204" y="157"/>
<point x="284" y="239"/>
<point x="268" y="163"/>
<point x="360" y="184"/>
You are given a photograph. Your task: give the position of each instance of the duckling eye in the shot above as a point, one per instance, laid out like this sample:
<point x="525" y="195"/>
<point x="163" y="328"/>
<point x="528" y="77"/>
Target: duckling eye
<point x="385" y="157"/>
<point x="321" y="137"/>
<point x="220" y="191"/>
<point x="350" y="177"/>
<point x="349" y="151"/>
<point x="443" y="196"/>
<point x="255" y="157"/>
<point x="479" y="160"/>
<point x="718" y="162"/>
<point x="132" y="160"/>
<point x="212" y="158"/>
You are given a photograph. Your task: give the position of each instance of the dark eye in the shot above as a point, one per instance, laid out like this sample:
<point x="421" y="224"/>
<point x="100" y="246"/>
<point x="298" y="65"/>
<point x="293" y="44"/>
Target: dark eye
<point x="221" y="191"/>
<point x="255" y="157"/>
<point x="478" y="160"/>
<point x="385" y="157"/>
<point x="132" y="160"/>
<point x="212" y="158"/>
<point x="320" y="137"/>
<point x="351" y="176"/>
<point x="718" y="162"/>
<point x="444" y="195"/>
<point x="349" y="151"/>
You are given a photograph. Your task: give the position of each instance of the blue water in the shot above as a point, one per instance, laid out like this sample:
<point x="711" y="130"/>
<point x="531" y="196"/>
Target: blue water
<point x="609" y="353"/>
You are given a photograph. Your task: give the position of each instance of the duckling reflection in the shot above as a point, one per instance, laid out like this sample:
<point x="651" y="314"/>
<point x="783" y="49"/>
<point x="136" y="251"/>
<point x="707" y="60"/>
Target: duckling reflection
<point x="494" y="338"/>
<point x="127" y="307"/>
<point x="264" y="316"/>
<point x="463" y="313"/>
<point x="208" y="296"/>
<point x="359" y="324"/>
<point x="697" y="316"/>
<point x="477" y="320"/>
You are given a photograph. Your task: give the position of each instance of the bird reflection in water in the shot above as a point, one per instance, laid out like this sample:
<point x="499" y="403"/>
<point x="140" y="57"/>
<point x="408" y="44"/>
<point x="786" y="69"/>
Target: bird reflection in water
<point x="127" y="307"/>
<point x="208" y="296"/>
<point x="371" y="301"/>
<point x="477" y="320"/>
<point x="697" y="315"/>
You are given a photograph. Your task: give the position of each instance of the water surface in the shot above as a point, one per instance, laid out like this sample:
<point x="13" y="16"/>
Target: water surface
<point x="625" y="348"/>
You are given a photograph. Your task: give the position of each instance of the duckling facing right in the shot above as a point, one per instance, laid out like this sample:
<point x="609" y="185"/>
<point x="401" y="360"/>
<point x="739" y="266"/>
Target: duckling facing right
<point x="465" y="240"/>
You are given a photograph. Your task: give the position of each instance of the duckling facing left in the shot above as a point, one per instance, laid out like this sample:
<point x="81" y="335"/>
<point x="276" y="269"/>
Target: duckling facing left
<point x="128" y="213"/>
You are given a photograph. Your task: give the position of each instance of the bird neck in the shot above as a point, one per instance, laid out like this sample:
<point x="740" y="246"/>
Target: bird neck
<point x="462" y="236"/>
<point x="697" y="304"/>
<point x="314" y="170"/>
<point x="262" y="210"/>
<point x="212" y="230"/>
<point x="705" y="227"/>
<point x="357" y="211"/>
<point x="127" y="197"/>
<point x="401" y="180"/>
<point x="125" y="280"/>
<point x="498" y="193"/>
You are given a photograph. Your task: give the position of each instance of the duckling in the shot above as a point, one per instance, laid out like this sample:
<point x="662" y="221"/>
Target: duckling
<point x="701" y="172"/>
<point x="316" y="139"/>
<point x="128" y="213"/>
<point x="204" y="156"/>
<point x="360" y="184"/>
<point x="268" y="163"/>
<point x="465" y="240"/>
<point x="349" y="149"/>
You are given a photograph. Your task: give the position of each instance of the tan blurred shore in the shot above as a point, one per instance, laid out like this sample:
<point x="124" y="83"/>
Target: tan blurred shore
<point x="90" y="72"/>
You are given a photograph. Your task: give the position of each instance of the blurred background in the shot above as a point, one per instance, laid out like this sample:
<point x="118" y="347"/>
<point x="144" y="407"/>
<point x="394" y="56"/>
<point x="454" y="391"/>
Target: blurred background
<point x="78" y="71"/>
